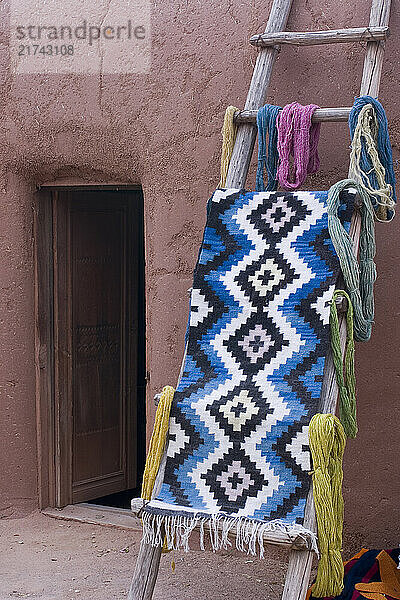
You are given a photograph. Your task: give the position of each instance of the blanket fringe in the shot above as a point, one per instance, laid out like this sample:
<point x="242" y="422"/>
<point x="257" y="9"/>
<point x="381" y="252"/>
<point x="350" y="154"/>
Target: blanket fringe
<point x="177" y="529"/>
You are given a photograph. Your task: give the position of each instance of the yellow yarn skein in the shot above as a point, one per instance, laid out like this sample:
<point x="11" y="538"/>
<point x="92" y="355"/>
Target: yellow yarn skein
<point x="327" y="442"/>
<point x="229" y="130"/>
<point x="157" y="442"/>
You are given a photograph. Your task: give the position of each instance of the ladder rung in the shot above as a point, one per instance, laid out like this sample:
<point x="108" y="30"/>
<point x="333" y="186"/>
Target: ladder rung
<point x="310" y="38"/>
<point x="319" y="116"/>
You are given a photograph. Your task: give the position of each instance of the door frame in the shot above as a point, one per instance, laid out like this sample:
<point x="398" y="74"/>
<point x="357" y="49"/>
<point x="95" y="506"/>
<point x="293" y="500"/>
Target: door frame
<point x="48" y="410"/>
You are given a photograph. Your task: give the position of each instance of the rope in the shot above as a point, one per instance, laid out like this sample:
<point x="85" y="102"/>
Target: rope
<point x="371" y="160"/>
<point x="157" y="442"/>
<point x="297" y="137"/>
<point x="358" y="278"/>
<point x="228" y="131"/>
<point x="327" y="443"/>
<point x="266" y="123"/>
<point x="346" y="382"/>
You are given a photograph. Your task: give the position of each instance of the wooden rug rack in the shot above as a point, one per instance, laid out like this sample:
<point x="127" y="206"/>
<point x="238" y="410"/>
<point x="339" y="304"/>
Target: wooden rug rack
<point x="269" y="42"/>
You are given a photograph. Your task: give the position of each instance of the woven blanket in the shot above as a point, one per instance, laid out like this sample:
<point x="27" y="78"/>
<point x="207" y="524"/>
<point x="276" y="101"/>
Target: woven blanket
<point x="257" y="337"/>
<point x="372" y="574"/>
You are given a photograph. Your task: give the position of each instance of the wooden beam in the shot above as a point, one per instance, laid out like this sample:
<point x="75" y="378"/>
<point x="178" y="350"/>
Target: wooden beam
<point x="146" y="571"/>
<point x="300" y="563"/>
<point x="312" y="38"/>
<point x="106" y="516"/>
<point x="44" y="367"/>
<point x="147" y="563"/>
<point x="371" y="77"/>
<point x="246" y="135"/>
<point x="373" y="62"/>
<point x="321" y="115"/>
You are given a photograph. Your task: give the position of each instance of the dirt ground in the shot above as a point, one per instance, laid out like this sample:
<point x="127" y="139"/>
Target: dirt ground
<point x="46" y="558"/>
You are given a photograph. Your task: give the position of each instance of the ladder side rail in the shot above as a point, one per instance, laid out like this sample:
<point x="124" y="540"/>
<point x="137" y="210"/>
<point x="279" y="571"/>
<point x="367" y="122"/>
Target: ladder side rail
<point x="148" y="560"/>
<point x="373" y="62"/>
<point x="246" y="134"/>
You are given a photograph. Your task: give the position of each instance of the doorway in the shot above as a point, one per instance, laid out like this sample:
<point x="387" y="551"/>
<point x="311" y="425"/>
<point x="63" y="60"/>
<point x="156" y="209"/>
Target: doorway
<point x="92" y="243"/>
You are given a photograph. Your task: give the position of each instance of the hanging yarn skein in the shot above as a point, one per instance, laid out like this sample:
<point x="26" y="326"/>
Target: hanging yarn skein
<point x="229" y="130"/>
<point x="266" y="124"/>
<point x="359" y="278"/>
<point x="327" y="443"/>
<point x="157" y="442"/>
<point x="345" y="377"/>
<point x="297" y="137"/>
<point x="371" y="160"/>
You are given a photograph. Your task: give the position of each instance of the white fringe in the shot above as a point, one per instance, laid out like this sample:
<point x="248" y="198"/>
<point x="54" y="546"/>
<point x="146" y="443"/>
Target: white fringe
<point x="250" y="535"/>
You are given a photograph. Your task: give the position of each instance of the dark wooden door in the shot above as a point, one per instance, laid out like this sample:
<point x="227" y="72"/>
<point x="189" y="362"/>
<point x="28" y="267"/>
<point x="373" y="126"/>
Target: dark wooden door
<point x="96" y="250"/>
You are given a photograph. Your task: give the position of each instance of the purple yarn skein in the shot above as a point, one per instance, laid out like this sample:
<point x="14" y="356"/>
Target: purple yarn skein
<point x="297" y="137"/>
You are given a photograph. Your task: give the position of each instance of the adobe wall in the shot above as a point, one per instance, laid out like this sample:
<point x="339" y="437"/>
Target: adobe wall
<point x="162" y="131"/>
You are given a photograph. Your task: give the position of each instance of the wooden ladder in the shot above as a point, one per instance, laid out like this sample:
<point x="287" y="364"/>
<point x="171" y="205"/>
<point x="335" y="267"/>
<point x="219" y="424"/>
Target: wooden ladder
<point x="300" y="559"/>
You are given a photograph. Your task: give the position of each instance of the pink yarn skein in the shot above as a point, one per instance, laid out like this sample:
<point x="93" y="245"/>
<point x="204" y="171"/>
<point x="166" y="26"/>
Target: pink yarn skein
<point x="297" y="137"/>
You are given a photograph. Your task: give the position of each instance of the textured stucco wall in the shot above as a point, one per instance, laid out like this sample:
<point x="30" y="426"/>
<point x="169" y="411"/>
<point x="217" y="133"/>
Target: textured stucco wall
<point x="162" y="130"/>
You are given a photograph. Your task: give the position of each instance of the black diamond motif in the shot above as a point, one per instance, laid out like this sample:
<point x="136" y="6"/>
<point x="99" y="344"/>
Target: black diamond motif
<point x="255" y="343"/>
<point x="234" y="479"/>
<point x="240" y="411"/>
<point x="264" y="278"/>
<point x="277" y="215"/>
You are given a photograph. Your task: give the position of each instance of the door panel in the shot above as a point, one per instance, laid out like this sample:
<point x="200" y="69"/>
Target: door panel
<point x="96" y="261"/>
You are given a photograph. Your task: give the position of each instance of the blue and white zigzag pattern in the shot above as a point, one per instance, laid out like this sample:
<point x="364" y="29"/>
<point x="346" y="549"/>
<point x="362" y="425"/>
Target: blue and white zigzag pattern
<point x="257" y="338"/>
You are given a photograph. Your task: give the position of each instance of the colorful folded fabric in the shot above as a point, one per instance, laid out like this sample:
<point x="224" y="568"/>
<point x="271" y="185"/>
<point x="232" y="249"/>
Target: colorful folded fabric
<point x="372" y="574"/>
